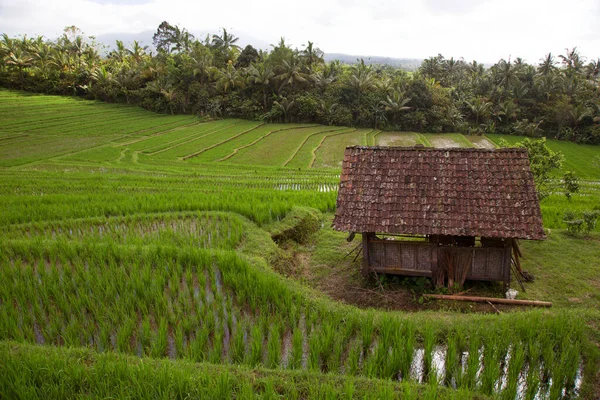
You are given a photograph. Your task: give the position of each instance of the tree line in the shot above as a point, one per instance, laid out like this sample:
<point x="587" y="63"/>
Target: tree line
<point x="213" y="77"/>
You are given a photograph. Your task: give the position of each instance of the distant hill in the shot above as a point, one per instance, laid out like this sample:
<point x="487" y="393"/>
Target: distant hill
<point x="409" y="64"/>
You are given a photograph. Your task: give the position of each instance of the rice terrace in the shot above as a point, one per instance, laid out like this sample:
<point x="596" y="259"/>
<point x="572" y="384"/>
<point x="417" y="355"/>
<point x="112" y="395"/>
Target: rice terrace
<point x="221" y="223"/>
<point x="133" y="234"/>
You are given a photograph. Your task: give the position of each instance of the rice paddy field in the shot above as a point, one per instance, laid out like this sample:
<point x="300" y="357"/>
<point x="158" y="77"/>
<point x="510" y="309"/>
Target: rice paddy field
<point x="137" y="261"/>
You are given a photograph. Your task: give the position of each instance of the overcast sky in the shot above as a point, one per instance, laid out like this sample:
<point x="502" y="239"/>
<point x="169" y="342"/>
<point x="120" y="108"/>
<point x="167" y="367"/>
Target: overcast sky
<point x="485" y="30"/>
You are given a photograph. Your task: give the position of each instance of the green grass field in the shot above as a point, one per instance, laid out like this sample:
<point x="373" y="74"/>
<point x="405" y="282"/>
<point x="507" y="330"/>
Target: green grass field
<point x="137" y="260"/>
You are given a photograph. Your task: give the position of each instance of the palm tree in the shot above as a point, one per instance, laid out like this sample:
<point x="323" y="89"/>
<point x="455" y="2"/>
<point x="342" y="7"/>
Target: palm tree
<point x="572" y="61"/>
<point x="284" y="105"/>
<point x="21" y="60"/>
<point x="102" y="76"/>
<point x="182" y="39"/>
<point x="361" y="78"/>
<point x="290" y="72"/>
<point x="506" y="74"/>
<point x="312" y="56"/>
<point x="119" y="53"/>
<point x="229" y="78"/>
<point x="261" y="75"/>
<point x="225" y="41"/>
<point x="507" y="110"/>
<point x="378" y="116"/>
<point x="592" y="70"/>
<point x="480" y="107"/>
<point x="432" y="67"/>
<point x="201" y="64"/>
<point x="137" y="51"/>
<point x="42" y="55"/>
<point x="395" y="104"/>
<point x="547" y="65"/>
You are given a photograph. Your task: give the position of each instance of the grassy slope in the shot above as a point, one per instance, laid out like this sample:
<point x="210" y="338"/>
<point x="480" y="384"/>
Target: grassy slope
<point x="582" y="159"/>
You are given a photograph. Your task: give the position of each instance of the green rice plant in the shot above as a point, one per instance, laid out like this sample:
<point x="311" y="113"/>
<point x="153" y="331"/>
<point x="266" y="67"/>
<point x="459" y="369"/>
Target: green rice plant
<point x="274" y="347"/>
<point x="245" y="390"/>
<point x="533" y="370"/>
<point x="223" y="386"/>
<point x="237" y="347"/>
<point x="334" y="358"/>
<point x="216" y="352"/>
<point x="387" y="330"/>
<point x="570" y="359"/>
<point x="314" y="352"/>
<point x="433" y="384"/>
<point x="515" y="368"/>
<point x="199" y="346"/>
<point x="409" y="393"/>
<point x="179" y="342"/>
<point x="429" y="341"/>
<point x="104" y="344"/>
<point x="491" y="365"/>
<point x="352" y="361"/>
<point x="269" y="391"/>
<point x="256" y="346"/>
<point x="394" y="361"/>
<point x="124" y="335"/>
<point x="366" y="332"/>
<point x="349" y="389"/>
<point x="71" y="333"/>
<point x="295" y="359"/>
<point x="452" y="359"/>
<point x="408" y="343"/>
<point x="473" y="362"/>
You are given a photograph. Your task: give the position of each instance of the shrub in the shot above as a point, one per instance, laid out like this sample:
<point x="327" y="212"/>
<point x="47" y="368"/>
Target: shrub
<point x="574" y="225"/>
<point x="589" y="219"/>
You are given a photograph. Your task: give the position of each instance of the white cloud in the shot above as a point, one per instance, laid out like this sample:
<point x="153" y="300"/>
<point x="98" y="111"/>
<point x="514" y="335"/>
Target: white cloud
<point x="482" y="30"/>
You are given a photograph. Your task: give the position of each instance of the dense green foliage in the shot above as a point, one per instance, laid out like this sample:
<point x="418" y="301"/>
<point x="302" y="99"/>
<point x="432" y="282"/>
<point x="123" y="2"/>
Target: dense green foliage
<point x="558" y="97"/>
<point x="155" y="241"/>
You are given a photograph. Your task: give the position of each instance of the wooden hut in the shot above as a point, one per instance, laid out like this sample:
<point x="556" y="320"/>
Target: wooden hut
<point x="449" y="214"/>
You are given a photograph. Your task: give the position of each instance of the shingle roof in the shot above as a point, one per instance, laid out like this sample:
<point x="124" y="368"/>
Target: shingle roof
<point x="428" y="191"/>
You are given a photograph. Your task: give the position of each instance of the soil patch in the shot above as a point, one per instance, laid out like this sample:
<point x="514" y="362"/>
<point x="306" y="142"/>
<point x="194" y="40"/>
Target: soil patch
<point x="344" y="282"/>
<point x="481" y="142"/>
<point x="396" y="139"/>
<point x="443" y="143"/>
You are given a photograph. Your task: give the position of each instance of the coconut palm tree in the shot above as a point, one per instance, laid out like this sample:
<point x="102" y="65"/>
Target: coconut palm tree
<point x="21" y="60"/>
<point x="361" y="77"/>
<point x="572" y="61"/>
<point x="480" y="107"/>
<point x="506" y="74"/>
<point x="311" y="56"/>
<point x="290" y="72"/>
<point x="592" y="70"/>
<point x="137" y="51"/>
<point x="229" y="78"/>
<point x="201" y="63"/>
<point x="284" y="105"/>
<point x="261" y="75"/>
<point x="395" y="104"/>
<point x="42" y="54"/>
<point x="547" y="65"/>
<point x="507" y="110"/>
<point x="119" y="53"/>
<point x="225" y="41"/>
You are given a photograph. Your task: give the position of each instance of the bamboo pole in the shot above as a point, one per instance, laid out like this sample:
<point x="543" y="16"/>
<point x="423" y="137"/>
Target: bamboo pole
<point x="478" y="299"/>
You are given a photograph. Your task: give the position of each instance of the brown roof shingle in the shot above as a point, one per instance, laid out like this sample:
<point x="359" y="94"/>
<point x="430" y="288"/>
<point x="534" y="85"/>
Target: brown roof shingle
<point x="417" y="190"/>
